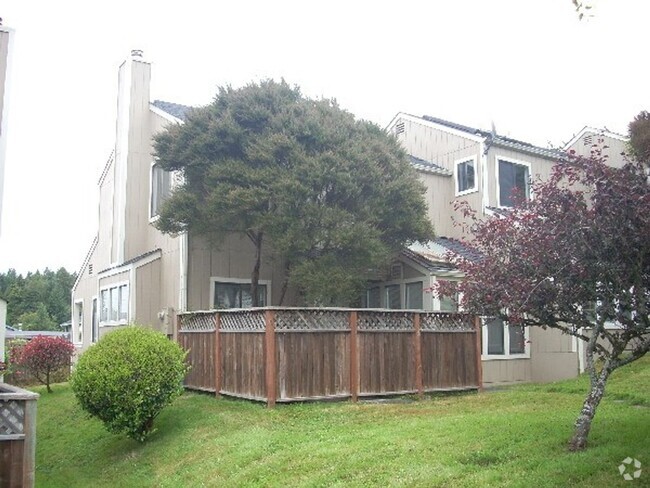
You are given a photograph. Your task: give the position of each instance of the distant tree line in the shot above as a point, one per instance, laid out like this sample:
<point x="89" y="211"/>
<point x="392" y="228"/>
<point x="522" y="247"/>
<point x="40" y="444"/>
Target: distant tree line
<point x="38" y="301"/>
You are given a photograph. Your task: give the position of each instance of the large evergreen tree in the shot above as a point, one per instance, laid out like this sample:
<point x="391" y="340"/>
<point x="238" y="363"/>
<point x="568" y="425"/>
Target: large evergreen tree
<point x="39" y="300"/>
<point x="333" y="196"/>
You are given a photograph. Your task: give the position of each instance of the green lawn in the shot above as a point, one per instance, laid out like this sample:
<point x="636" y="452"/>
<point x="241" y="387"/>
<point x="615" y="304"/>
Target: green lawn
<point x="513" y="437"/>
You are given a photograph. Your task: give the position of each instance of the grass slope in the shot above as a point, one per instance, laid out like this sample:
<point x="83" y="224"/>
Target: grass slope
<point x="514" y="437"/>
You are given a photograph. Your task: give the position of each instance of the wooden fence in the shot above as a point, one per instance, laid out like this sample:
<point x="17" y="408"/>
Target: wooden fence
<point x="17" y="436"/>
<point x="288" y="354"/>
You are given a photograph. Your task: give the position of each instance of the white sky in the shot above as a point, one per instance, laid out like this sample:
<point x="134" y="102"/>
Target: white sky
<point x="528" y="65"/>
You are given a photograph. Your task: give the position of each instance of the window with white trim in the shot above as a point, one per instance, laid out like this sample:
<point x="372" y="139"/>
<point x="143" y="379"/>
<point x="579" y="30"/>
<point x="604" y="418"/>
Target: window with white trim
<point x="449" y="303"/>
<point x="114" y="305"/>
<point x="161" y="186"/>
<point x="501" y="340"/>
<point x="465" y="176"/>
<point x="414" y="295"/>
<point x="237" y="295"/>
<point x="513" y="178"/>
<point x="79" y="319"/>
<point x="372" y="298"/>
<point x="393" y="299"/>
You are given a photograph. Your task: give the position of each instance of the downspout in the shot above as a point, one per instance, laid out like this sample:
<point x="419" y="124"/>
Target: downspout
<point x="485" y="148"/>
<point x="182" y="289"/>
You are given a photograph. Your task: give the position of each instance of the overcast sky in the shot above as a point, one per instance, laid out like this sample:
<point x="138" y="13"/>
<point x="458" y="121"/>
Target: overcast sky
<point x="527" y="65"/>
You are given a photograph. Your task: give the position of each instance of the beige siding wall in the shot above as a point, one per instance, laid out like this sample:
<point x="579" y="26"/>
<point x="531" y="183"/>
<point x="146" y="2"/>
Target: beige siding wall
<point x="504" y="371"/>
<point x="553" y="357"/>
<point x="102" y="258"/>
<point x="6" y="47"/>
<point x="85" y="291"/>
<point x="234" y="259"/>
<point x="155" y="286"/>
<point x="435" y="145"/>
<point x="584" y="145"/>
<point x="444" y="149"/>
<point x="4" y="53"/>
<point x="553" y="354"/>
<point x="122" y="277"/>
<point x="439" y="197"/>
<point x="148" y="299"/>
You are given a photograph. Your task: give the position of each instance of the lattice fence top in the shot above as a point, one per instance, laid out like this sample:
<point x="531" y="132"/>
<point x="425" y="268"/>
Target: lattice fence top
<point x="384" y="320"/>
<point x="446" y="322"/>
<point x="324" y="319"/>
<point x="197" y="321"/>
<point x="312" y="320"/>
<point x="12" y="417"/>
<point x="243" y="321"/>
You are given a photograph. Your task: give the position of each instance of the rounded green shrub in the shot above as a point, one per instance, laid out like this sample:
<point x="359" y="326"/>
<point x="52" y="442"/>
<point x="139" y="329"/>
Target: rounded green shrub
<point x="128" y="377"/>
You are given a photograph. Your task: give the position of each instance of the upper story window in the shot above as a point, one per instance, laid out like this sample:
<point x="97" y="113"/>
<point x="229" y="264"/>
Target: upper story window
<point x="512" y="177"/>
<point x="465" y="176"/>
<point x="114" y="304"/>
<point x="161" y="185"/>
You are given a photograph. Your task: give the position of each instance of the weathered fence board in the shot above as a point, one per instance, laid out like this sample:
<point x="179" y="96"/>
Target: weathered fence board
<point x="285" y="354"/>
<point x="17" y="436"/>
<point x="243" y="360"/>
<point x="201" y="347"/>
<point x="450" y="360"/>
<point x="313" y="365"/>
<point x="386" y="363"/>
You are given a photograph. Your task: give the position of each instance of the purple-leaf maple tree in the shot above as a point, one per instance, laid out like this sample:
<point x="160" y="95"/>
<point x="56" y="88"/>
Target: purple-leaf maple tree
<point x="575" y="257"/>
<point x="43" y="356"/>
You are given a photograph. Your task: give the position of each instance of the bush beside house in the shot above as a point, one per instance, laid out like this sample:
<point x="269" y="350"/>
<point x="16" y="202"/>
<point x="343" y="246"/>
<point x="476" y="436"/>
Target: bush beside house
<point x="128" y="377"/>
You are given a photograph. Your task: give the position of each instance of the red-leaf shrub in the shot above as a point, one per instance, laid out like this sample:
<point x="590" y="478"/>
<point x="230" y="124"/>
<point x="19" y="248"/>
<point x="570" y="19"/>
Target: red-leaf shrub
<point x="42" y="356"/>
<point x="575" y="258"/>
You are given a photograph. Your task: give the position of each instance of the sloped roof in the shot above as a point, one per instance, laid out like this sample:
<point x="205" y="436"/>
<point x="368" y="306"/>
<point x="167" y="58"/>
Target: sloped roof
<point x="427" y="166"/>
<point x="434" y="255"/>
<point x="498" y="140"/>
<point x="174" y="109"/>
<point x="132" y="260"/>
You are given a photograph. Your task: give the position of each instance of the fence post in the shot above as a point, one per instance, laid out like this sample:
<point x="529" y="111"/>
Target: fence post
<point x="29" y="426"/>
<point x="269" y="319"/>
<point x="217" y="354"/>
<point x="354" y="357"/>
<point x="417" y="337"/>
<point x="479" y="350"/>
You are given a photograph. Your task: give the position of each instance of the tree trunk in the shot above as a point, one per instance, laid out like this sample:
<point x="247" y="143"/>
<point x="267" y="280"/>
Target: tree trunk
<point x="285" y="283"/>
<point x="583" y="422"/>
<point x="255" y="276"/>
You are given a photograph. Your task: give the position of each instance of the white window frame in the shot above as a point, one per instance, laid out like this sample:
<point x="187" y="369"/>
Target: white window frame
<point x="116" y="286"/>
<point x="506" y="343"/>
<point x="367" y="296"/>
<point x="77" y="325"/>
<point x="457" y="163"/>
<point x="95" y="318"/>
<point x="406" y="292"/>
<point x="506" y="159"/>
<point x="152" y="217"/>
<point x="436" y="299"/>
<point x="240" y="281"/>
<point x="400" y="294"/>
